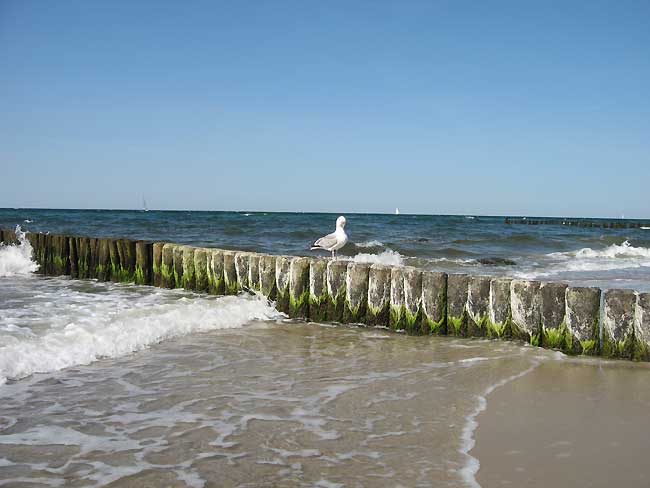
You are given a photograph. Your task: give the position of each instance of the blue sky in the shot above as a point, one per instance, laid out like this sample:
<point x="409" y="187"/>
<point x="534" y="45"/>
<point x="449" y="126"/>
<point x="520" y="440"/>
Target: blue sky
<point x="538" y="108"/>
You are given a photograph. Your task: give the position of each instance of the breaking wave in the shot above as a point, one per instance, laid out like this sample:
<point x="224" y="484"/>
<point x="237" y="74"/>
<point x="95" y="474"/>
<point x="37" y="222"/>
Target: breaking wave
<point x="16" y="259"/>
<point x="614" y="261"/>
<point x="622" y="251"/>
<point x="388" y="257"/>
<point x="615" y="256"/>
<point x="91" y="326"/>
<point x="367" y="244"/>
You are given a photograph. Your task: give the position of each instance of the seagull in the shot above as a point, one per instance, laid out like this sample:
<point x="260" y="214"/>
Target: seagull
<point x="334" y="241"/>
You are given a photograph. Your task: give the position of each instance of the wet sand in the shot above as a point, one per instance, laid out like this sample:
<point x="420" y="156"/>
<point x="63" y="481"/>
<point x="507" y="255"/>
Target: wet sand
<point x="572" y="423"/>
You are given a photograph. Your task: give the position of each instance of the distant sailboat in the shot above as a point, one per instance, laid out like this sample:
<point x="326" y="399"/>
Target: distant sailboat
<point x="144" y="205"/>
<point x="396" y="211"/>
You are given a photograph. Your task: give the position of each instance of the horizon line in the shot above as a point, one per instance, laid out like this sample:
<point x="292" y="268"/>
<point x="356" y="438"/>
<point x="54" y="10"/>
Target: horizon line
<point x="326" y="212"/>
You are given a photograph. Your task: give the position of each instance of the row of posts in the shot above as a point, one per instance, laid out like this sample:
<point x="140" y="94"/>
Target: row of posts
<point x="579" y="223"/>
<point x="575" y="320"/>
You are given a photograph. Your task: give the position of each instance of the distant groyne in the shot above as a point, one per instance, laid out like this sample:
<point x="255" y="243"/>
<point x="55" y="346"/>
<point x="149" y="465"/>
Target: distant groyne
<point x="575" y="320"/>
<point x="603" y="224"/>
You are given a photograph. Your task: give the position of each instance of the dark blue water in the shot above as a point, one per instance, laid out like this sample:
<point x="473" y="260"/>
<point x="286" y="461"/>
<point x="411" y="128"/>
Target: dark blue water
<point x="474" y="244"/>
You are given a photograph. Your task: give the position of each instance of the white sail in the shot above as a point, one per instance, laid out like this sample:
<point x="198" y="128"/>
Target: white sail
<point x="396" y="211"/>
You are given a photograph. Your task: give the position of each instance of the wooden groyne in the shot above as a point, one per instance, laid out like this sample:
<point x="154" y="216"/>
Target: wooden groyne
<point x="575" y="320"/>
<point x="614" y="224"/>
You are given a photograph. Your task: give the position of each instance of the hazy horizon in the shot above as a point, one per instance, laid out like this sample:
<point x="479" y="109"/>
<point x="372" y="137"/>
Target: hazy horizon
<point x="402" y="213"/>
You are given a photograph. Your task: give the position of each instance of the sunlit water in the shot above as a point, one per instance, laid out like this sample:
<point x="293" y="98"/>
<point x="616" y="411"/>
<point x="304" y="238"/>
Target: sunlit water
<point x="480" y="245"/>
<point x="110" y="384"/>
<point x="203" y="391"/>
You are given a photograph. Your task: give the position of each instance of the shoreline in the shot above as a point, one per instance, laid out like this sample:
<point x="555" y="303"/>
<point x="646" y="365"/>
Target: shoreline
<point x="469" y="472"/>
<point x="568" y="423"/>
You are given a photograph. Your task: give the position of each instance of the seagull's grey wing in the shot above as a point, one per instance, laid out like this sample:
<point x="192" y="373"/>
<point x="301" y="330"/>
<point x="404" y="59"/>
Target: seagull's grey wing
<point x="326" y="242"/>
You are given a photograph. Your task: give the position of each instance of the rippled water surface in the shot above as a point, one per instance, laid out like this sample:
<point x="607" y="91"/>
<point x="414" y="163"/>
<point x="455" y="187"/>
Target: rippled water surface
<point x="105" y="384"/>
<point x="268" y="403"/>
<point x="474" y="244"/>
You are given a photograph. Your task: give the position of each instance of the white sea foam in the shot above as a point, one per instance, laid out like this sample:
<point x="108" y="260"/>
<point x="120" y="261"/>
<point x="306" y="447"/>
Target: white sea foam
<point x="16" y="259"/>
<point x="112" y="328"/>
<point x="622" y="251"/>
<point x="459" y="261"/>
<point x="588" y="260"/>
<point x="645" y="228"/>
<point x="388" y="257"/>
<point x="373" y="243"/>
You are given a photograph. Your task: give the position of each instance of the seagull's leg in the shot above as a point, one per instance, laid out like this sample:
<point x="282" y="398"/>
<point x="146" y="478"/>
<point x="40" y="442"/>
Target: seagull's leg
<point x="333" y="254"/>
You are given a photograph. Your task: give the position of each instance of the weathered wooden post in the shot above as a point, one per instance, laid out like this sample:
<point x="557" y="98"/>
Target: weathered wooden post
<point x="378" y="312"/>
<point x="356" y="302"/>
<point x="434" y="303"/>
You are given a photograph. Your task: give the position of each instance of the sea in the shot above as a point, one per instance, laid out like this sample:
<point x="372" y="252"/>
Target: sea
<point x="105" y="384"/>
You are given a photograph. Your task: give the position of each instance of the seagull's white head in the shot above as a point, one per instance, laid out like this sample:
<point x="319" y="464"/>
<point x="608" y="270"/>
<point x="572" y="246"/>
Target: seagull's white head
<point x="340" y="222"/>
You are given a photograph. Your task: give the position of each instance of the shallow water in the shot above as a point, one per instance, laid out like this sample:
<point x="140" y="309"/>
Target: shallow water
<point x="270" y="403"/>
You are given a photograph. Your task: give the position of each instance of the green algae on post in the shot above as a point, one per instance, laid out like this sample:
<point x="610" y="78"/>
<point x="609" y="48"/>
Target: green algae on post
<point x="83" y="258"/>
<point x="318" y="289"/>
<point x="156" y="264"/>
<point x="230" y="273"/>
<point x="268" y="285"/>
<point x="412" y="312"/>
<point x="201" y="269"/>
<point x="60" y="255"/>
<point x="282" y="279"/>
<point x="336" y="289"/>
<point x="216" y="281"/>
<point x="127" y="252"/>
<point x="167" y="277"/>
<point x="378" y="310"/>
<point x="299" y="287"/>
<point x="188" y="280"/>
<point x="618" y="324"/>
<point x="104" y="259"/>
<point x="143" y="263"/>
<point x="478" y="306"/>
<point x="525" y="306"/>
<point x="642" y="328"/>
<point x="554" y="331"/>
<point x="500" y="324"/>
<point x="406" y="299"/>
<point x="583" y="319"/>
<point x="356" y="301"/>
<point x="395" y="319"/>
<point x="457" y="289"/>
<point x="74" y="257"/>
<point x="178" y="266"/>
<point x="434" y="303"/>
<point x="242" y="270"/>
<point x="254" y="271"/>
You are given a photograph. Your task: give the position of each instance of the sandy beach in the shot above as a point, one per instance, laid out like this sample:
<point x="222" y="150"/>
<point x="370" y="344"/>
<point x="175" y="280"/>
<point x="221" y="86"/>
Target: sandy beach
<point x="573" y="423"/>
